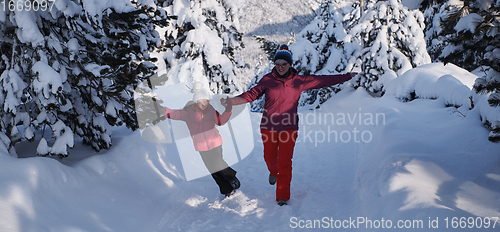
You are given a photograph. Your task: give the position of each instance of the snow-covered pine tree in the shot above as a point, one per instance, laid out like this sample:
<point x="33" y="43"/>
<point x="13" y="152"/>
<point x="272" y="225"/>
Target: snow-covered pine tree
<point x="471" y="39"/>
<point x="201" y="44"/>
<point x="26" y="98"/>
<point x="474" y="40"/>
<point x="393" y="42"/>
<point x="352" y="15"/>
<point x="438" y="24"/>
<point x="114" y="60"/>
<point x="323" y="47"/>
<point x="73" y="69"/>
<point x="488" y="88"/>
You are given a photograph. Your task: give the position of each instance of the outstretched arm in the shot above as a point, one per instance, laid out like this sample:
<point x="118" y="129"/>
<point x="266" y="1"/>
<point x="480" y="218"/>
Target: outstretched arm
<point x="175" y="114"/>
<point x="169" y="113"/>
<point x="249" y="96"/>
<point x="232" y="101"/>
<point x="317" y="82"/>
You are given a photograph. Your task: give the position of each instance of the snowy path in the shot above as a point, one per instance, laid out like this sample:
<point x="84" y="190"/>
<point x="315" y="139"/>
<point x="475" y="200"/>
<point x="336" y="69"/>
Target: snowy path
<point x="323" y="184"/>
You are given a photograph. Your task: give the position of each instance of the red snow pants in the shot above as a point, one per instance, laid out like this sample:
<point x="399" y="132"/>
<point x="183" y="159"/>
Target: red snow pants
<point x="278" y="154"/>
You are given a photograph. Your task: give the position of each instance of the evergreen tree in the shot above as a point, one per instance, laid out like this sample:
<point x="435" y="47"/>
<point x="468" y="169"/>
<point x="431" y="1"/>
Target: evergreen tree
<point x="469" y="37"/>
<point x="324" y="47"/>
<point x="392" y="42"/>
<point x="73" y="70"/>
<point x="475" y="38"/>
<point x="438" y="25"/>
<point x="201" y="44"/>
<point x="462" y="32"/>
<point x="488" y="85"/>
<point x="494" y="135"/>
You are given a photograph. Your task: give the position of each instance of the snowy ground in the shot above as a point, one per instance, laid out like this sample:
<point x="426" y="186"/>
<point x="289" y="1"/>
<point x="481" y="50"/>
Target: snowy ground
<point x="418" y="165"/>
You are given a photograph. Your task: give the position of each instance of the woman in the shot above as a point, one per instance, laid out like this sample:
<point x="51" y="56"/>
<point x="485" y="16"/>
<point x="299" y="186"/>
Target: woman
<point x="201" y="118"/>
<point x="279" y="125"/>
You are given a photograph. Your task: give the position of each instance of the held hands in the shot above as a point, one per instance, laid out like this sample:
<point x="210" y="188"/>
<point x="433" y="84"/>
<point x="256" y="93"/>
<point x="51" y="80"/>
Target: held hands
<point x="226" y="102"/>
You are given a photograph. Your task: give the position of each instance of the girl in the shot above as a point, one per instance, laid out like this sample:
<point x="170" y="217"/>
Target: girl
<point x="201" y="118"/>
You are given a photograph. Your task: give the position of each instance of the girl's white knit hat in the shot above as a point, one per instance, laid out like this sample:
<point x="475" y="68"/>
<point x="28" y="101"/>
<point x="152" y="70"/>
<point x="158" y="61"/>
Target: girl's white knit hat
<point x="200" y="92"/>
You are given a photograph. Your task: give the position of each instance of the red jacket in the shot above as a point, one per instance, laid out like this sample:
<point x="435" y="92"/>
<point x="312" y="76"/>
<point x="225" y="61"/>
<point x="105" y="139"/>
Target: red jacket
<point x="201" y="124"/>
<point x="282" y="96"/>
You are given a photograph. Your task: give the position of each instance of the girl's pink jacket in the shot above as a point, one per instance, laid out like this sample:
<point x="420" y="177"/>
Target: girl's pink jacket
<point x="201" y="124"/>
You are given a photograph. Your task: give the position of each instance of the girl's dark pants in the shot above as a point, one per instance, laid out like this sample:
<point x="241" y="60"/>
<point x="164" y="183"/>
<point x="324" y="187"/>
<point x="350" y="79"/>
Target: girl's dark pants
<point x="221" y="172"/>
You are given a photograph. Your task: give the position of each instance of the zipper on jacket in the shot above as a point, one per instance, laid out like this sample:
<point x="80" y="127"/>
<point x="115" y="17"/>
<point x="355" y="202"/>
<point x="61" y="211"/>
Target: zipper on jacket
<point x="206" y="142"/>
